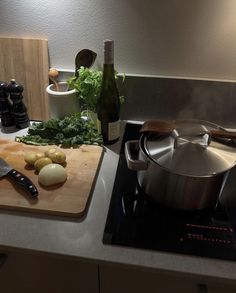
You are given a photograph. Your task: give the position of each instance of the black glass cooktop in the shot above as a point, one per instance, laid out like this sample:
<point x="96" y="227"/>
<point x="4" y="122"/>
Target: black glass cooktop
<point x="135" y="220"/>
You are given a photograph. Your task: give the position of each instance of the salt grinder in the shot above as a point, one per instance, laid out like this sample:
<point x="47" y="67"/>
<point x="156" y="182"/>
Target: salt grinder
<point x="7" y="120"/>
<point x="19" y="110"/>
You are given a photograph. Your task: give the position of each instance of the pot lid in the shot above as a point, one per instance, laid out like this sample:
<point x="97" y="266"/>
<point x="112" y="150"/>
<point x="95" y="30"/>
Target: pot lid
<point x="190" y="150"/>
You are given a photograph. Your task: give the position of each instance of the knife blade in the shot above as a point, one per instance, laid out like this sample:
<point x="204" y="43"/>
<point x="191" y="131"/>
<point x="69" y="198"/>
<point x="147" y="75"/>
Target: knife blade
<point x="19" y="178"/>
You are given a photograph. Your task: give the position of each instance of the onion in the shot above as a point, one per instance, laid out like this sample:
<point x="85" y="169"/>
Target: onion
<point x="52" y="174"/>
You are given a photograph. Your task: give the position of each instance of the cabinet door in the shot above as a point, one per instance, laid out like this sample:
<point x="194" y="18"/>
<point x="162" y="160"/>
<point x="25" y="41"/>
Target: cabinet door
<point x="220" y="290"/>
<point x="117" y="280"/>
<point x="40" y="274"/>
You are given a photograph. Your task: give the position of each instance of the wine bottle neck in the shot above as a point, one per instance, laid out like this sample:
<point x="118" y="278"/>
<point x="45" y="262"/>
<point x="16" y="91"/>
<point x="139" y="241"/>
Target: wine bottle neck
<point x="108" y="72"/>
<point x="108" y="67"/>
<point x="109" y="58"/>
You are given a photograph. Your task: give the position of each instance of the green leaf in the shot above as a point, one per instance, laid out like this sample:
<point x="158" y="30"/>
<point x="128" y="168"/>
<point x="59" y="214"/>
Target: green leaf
<point x="88" y="85"/>
<point x="72" y="131"/>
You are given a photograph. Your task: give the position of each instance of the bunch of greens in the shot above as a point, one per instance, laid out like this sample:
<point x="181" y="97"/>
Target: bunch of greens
<point x="88" y="86"/>
<point x="72" y="131"/>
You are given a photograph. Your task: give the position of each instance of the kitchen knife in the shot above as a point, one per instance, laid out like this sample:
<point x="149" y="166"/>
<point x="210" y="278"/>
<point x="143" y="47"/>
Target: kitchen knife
<point x="19" y="178"/>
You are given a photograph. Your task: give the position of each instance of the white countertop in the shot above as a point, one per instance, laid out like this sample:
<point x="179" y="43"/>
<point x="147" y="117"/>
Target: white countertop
<point x="82" y="238"/>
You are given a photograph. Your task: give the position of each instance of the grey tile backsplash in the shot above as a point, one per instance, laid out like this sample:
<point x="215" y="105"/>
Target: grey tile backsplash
<point x="171" y="98"/>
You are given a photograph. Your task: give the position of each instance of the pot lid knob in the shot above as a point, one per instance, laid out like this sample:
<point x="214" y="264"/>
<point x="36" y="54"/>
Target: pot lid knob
<point x="201" y="140"/>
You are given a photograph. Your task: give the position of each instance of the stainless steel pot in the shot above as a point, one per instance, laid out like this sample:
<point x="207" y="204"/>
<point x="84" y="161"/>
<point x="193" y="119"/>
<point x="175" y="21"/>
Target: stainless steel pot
<point x="185" y="170"/>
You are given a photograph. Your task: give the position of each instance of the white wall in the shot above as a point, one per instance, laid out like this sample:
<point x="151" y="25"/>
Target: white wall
<point x="193" y="38"/>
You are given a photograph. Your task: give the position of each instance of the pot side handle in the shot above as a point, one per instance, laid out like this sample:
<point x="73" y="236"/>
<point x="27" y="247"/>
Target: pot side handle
<point x="131" y="150"/>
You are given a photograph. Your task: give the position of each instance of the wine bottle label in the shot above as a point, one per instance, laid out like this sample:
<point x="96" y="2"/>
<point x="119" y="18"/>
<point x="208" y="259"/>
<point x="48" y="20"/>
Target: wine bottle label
<point x="114" y="130"/>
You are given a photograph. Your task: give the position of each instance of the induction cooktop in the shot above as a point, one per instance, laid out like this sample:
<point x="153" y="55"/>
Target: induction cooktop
<point x="135" y="220"/>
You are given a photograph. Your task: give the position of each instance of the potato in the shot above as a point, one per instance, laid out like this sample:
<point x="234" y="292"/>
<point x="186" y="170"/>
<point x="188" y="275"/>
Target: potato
<point x="57" y="156"/>
<point x="40" y="163"/>
<point x="52" y="174"/>
<point x="49" y="152"/>
<point x="31" y="157"/>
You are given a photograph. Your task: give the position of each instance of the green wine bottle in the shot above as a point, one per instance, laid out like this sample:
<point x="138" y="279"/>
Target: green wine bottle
<point x="108" y="106"/>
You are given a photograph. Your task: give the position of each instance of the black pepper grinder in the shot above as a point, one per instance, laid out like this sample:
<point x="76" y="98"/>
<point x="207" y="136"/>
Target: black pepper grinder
<point x="19" y="110"/>
<point x="7" y="121"/>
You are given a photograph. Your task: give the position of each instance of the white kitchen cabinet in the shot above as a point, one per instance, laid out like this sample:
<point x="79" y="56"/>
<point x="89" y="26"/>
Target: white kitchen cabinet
<point x="28" y="273"/>
<point x="125" y="280"/>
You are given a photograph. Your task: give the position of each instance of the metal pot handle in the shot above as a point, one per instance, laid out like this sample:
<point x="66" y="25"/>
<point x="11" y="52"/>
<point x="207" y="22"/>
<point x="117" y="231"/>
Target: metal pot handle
<point x="132" y="162"/>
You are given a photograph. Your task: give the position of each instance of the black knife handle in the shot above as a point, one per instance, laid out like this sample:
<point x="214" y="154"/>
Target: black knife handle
<point x="24" y="182"/>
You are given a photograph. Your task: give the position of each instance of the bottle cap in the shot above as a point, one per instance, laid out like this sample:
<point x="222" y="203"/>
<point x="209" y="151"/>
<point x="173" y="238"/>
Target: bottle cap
<point x="108" y="47"/>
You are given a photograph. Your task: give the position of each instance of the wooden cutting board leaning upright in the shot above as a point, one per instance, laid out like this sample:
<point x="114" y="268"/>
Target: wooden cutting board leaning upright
<point x="26" y="60"/>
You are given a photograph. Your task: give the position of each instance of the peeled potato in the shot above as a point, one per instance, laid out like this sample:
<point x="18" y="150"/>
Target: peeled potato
<point x="52" y="174"/>
<point x="31" y="157"/>
<point x="40" y="163"/>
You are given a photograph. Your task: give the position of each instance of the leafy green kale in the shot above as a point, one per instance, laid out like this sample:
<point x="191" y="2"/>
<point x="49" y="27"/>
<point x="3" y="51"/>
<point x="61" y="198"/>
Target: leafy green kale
<point x="72" y="131"/>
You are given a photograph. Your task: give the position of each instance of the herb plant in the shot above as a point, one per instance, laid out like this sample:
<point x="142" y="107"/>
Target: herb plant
<point x="88" y="86"/>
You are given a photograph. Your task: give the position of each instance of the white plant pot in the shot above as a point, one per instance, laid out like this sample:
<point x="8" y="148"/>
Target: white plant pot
<point x="62" y="103"/>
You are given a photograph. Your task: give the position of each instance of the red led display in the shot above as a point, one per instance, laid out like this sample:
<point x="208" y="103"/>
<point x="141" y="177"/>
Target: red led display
<point x="210" y="227"/>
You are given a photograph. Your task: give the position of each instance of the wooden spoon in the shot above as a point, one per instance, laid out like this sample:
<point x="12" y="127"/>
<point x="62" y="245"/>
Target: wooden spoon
<point x="158" y="126"/>
<point x="164" y="127"/>
<point x="84" y="58"/>
<point x="53" y="75"/>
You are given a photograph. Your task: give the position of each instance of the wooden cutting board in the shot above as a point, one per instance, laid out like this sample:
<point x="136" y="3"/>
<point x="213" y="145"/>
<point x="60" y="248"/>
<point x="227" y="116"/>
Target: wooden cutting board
<point x="26" y="60"/>
<point x="69" y="199"/>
